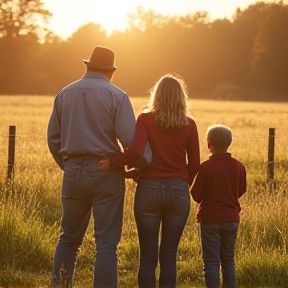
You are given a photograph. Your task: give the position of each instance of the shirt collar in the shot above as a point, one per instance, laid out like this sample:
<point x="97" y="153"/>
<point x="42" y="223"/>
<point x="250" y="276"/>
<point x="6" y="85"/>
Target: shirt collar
<point x="220" y="155"/>
<point x="95" y="75"/>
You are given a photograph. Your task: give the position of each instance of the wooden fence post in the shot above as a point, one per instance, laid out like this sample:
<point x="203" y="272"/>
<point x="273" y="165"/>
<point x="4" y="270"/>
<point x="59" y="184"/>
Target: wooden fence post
<point x="271" y="153"/>
<point x="11" y="152"/>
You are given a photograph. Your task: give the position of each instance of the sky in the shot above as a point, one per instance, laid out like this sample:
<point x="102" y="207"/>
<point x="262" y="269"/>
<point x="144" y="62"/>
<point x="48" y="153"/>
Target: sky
<point x="69" y="15"/>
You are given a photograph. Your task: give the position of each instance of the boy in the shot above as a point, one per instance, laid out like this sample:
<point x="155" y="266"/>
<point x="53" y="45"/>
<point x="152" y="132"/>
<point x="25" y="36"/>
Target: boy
<point x="220" y="182"/>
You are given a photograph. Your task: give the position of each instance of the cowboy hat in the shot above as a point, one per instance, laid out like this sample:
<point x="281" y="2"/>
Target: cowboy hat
<point x="101" y="58"/>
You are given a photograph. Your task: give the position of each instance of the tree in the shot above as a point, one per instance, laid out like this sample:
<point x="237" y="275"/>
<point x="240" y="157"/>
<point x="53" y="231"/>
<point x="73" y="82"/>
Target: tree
<point x="245" y="27"/>
<point x="144" y="19"/>
<point x="22" y="17"/>
<point x="21" y="27"/>
<point x="269" y="66"/>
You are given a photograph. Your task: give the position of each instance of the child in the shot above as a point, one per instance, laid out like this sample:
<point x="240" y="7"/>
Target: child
<point x="220" y="182"/>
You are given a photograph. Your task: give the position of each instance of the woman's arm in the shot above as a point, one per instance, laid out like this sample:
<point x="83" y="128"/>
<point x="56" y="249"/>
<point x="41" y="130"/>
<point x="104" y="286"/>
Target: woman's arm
<point x="130" y="155"/>
<point x="193" y="154"/>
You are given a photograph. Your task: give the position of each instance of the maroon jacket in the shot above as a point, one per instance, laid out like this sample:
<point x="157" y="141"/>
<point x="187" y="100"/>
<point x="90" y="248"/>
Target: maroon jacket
<point x="175" y="152"/>
<point x="221" y="181"/>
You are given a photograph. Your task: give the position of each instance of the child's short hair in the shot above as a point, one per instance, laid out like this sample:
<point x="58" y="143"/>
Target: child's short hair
<point x="220" y="136"/>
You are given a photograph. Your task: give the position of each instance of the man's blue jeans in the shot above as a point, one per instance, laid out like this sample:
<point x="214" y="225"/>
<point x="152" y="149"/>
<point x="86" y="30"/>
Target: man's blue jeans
<point x="218" y="244"/>
<point x="165" y="204"/>
<point x="87" y="190"/>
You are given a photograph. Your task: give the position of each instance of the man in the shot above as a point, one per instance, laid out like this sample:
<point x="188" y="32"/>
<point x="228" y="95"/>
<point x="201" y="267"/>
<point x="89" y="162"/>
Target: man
<point x="90" y="118"/>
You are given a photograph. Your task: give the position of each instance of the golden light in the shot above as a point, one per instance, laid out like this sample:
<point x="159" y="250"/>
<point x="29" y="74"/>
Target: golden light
<point x="110" y="20"/>
<point x="70" y="15"/>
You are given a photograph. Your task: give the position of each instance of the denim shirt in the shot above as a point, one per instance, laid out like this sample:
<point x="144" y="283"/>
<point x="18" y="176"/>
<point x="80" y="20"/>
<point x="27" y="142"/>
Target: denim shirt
<point x="90" y="116"/>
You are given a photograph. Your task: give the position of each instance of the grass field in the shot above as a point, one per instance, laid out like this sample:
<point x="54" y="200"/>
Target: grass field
<point x="30" y="207"/>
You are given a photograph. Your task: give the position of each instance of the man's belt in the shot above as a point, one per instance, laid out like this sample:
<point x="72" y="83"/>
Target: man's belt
<point x="83" y="157"/>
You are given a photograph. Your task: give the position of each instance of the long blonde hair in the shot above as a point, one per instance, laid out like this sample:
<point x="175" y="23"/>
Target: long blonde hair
<point x="168" y="102"/>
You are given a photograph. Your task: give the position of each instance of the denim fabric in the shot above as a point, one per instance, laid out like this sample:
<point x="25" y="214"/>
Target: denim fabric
<point x="218" y="244"/>
<point x="87" y="190"/>
<point x="166" y="204"/>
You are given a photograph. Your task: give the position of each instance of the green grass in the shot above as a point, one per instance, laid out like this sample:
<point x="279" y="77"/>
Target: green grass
<point x="30" y="207"/>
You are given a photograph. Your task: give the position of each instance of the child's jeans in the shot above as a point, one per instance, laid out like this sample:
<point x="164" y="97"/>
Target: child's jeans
<point x="218" y="245"/>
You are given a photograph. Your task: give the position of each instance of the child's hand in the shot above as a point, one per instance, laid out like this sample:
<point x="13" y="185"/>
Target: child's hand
<point x="104" y="164"/>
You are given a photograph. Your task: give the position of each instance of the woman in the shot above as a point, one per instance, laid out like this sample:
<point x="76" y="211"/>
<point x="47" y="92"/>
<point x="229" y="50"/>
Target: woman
<point x="162" y="196"/>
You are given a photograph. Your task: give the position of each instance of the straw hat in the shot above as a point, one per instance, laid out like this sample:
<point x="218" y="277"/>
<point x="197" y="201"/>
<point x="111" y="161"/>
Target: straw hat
<point x="101" y="58"/>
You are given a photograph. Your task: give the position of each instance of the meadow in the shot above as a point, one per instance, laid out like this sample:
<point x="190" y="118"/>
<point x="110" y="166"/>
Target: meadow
<point x="30" y="207"/>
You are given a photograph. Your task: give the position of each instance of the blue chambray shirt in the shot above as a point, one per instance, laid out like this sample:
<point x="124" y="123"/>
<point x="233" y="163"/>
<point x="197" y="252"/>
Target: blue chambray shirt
<point x="90" y="116"/>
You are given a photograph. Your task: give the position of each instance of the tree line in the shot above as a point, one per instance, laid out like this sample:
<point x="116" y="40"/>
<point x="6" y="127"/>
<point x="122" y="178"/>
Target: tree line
<point x="242" y="58"/>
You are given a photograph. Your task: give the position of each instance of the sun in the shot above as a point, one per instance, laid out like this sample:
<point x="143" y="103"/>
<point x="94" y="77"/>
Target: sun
<point x="114" y="21"/>
<point x="68" y="16"/>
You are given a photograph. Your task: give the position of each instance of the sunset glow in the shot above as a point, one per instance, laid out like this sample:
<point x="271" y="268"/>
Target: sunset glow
<point x="69" y="15"/>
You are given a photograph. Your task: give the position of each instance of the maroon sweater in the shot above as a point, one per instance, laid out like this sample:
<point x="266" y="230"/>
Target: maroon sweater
<point x="221" y="181"/>
<point x="175" y="152"/>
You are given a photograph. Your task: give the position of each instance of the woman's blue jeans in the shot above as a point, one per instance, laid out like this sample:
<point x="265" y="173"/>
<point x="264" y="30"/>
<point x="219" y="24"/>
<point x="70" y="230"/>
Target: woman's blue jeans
<point x="218" y="245"/>
<point x="166" y="204"/>
<point x="86" y="190"/>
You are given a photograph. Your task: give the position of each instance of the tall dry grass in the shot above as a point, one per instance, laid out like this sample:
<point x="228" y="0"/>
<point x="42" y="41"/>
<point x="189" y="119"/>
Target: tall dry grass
<point x="30" y="207"/>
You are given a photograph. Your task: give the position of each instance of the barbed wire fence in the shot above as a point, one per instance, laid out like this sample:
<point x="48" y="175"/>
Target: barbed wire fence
<point x="11" y="152"/>
<point x="18" y="153"/>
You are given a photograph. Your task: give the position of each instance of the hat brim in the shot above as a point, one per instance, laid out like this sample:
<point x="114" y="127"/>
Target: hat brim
<point x="87" y="63"/>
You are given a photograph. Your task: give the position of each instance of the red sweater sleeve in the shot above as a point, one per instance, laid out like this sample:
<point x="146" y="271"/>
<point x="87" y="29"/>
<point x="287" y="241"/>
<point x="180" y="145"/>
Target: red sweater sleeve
<point x="243" y="183"/>
<point x="193" y="154"/>
<point x="130" y="155"/>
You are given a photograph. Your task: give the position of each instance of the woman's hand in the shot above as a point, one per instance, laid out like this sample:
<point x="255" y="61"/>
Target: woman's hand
<point x="132" y="174"/>
<point x="104" y="164"/>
